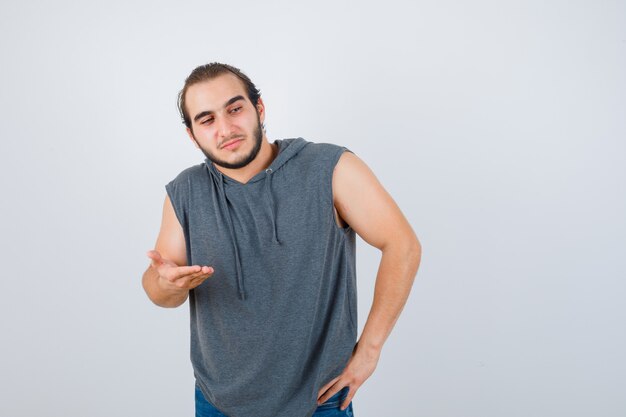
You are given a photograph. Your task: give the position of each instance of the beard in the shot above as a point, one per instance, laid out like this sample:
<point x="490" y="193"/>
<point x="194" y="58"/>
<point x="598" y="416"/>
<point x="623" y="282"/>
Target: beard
<point x="257" y="136"/>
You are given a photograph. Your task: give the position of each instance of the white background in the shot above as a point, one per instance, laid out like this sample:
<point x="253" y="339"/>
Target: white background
<point x="498" y="127"/>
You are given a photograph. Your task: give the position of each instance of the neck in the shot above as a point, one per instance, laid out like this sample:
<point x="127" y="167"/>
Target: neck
<point x="264" y="158"/>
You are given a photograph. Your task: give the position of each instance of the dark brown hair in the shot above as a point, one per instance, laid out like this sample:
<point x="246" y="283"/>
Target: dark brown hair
<point x="208" y="72"/>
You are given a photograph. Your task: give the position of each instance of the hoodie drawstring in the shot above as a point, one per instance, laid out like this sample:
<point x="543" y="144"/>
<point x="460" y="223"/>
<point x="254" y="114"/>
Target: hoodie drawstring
<point x="231" y="229"/>
<point x="270" y="200"/>
<point x="288" y="149"/>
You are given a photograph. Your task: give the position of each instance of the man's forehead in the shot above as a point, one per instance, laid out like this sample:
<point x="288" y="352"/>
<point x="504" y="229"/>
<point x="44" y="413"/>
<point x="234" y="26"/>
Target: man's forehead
<point x="221" y="87"/>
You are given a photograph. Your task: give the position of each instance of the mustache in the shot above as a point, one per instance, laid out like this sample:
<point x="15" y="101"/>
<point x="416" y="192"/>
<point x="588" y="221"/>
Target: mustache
<point x="230" y="139"/>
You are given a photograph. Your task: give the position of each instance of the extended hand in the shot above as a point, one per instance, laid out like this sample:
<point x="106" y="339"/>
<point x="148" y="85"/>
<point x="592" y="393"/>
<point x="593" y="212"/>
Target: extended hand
<point x="177" y="277"/>
<point x="360" y="367"/>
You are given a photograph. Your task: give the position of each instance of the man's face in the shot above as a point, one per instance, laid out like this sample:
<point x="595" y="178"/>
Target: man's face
<point x="226" y="126"/>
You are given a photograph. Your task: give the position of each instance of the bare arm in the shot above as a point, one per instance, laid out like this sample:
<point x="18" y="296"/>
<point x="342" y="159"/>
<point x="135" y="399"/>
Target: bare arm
<point x="367" y="207"/>
<point x="168" y="279"/>
<point x="363" y="203"/>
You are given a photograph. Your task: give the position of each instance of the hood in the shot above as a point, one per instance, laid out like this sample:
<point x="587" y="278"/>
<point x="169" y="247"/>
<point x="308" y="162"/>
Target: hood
<point x="287" y="149"/>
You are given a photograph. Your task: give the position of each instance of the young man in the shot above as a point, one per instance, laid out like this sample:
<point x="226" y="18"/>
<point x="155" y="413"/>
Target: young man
<point x="261" y="239"/>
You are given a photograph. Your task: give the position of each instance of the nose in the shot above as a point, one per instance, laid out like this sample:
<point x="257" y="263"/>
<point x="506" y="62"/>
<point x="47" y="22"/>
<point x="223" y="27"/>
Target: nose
<point x="223" y="127"/>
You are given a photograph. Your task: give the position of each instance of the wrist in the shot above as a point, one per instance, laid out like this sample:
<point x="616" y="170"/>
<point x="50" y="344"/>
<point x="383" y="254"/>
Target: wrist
<point x="169" y="296"/>
<point x="369" y="348"/>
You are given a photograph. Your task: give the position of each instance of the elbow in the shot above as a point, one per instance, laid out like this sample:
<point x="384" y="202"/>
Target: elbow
<point x="160" y="300"/>
<point x="414" y="248"/>
<point x="412" y="251"/>
<point x="158" y="296"/>
<point x="407" y="246"/>
<point x="167" y="304"/>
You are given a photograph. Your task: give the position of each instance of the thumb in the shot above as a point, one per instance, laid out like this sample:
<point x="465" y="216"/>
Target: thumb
<point x="156" y="258"/>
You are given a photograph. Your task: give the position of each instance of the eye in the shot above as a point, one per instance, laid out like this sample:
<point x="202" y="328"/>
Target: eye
<point x="236" y="110"/>
<point x="207" y="121"/>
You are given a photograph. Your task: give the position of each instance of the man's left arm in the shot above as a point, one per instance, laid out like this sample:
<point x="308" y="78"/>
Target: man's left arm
<point x="365" y="205"/>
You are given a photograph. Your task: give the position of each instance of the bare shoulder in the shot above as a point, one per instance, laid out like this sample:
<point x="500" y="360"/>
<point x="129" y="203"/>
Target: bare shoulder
<point x="351" y="176"/>
<point x="362" y="201"/>
<point x="351" y="168"/>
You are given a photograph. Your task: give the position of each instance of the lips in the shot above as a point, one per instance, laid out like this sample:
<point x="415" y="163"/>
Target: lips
<point x="232" y="142"/>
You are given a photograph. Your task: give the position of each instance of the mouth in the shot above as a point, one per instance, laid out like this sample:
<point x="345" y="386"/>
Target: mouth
<point x="231" y="144"/>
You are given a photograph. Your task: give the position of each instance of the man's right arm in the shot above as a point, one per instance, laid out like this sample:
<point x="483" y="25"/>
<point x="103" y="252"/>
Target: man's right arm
<point x="168" y="279"/>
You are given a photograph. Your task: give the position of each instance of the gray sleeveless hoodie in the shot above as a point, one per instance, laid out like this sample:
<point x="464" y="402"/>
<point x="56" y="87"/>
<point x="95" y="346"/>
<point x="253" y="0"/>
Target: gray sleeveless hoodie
<point x="278" y="318"/>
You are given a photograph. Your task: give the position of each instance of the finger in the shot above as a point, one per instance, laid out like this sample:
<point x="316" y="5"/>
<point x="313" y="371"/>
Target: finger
<point x="204" y="273"/>
<point x="326" y="392"/>
<point x="181" y="272"/>
<point x="349" y="397"/>
<point x="185" y="273"/>
<point x="328" y="385"/>
<point x="196" y="282"/>
<point x="331" y="391"/>
<point x="207" y="270"/>
<point x="192" y="281"/>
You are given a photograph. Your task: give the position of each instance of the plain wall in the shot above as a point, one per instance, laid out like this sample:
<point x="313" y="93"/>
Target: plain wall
<point x="497" y="126"/>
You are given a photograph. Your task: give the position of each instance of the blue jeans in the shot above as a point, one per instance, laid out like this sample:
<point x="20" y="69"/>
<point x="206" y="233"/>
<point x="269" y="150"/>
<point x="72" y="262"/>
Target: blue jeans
<point x="329" y="409"/>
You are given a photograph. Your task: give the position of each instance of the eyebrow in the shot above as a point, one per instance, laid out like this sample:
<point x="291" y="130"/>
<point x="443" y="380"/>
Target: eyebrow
<point x="207" y="112"/>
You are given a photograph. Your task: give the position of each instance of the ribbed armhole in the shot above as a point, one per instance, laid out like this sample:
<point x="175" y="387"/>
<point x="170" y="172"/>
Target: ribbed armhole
<point x="333" y="164"/>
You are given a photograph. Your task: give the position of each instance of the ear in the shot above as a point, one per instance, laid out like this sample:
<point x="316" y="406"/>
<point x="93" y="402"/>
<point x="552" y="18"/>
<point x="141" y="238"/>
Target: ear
<point x="190" y="133"/>
<point x="260" y="106"/>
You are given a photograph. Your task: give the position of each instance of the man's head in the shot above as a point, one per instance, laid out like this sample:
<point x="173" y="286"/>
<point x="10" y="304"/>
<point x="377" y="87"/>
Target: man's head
<point x="208" y="72"/>
<point x="223" y="112"/>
